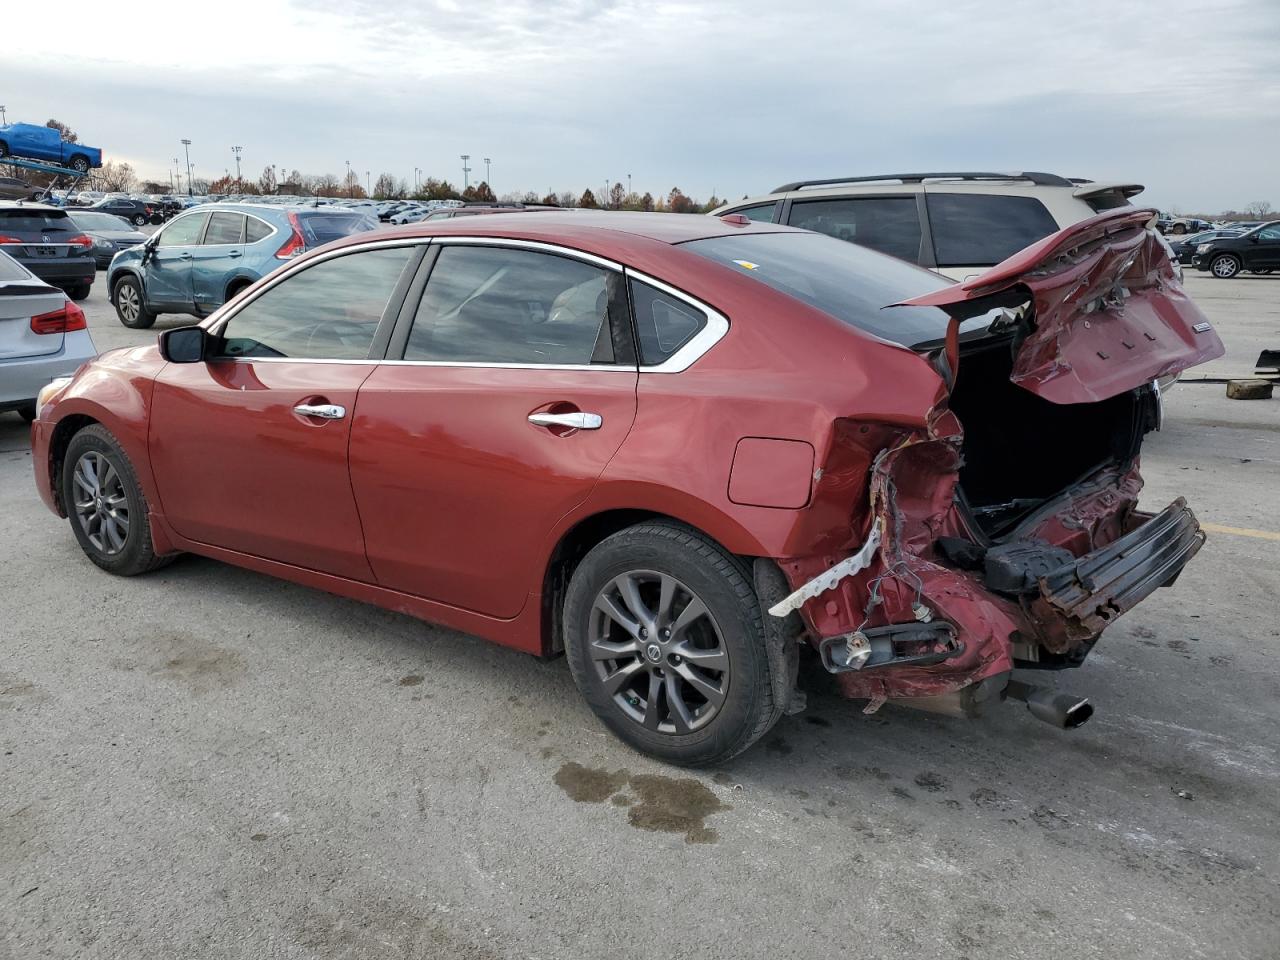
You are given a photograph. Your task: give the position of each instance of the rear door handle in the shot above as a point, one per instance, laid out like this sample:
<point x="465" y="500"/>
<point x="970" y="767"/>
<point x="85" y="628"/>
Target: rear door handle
<point x="325" y="411"/>
<point x="184" y="256"/>
<point x="234" y="253"/>
<point x="575" y="421"/>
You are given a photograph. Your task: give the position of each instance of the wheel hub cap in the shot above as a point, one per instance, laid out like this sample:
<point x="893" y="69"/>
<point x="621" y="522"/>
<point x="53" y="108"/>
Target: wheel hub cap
<point x="100" y="504"/>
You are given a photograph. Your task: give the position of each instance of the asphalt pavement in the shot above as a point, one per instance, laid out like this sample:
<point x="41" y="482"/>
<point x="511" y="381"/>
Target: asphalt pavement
<point x="209" y="763"/>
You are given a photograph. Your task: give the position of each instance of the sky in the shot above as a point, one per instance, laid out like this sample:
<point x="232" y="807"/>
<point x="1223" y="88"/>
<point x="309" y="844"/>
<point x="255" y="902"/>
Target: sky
<point x="733" y="98"/>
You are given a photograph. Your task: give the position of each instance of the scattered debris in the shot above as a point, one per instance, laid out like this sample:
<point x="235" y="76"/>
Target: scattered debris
<point x="1184" y="794"/>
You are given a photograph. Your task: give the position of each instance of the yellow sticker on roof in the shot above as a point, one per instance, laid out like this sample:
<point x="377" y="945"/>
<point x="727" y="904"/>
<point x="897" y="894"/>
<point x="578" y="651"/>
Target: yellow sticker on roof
<point x="747" y="264"/>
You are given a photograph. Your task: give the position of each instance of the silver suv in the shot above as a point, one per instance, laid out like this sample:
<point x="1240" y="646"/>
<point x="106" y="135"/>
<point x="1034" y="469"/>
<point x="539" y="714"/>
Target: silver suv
<point x="955" y="223"/>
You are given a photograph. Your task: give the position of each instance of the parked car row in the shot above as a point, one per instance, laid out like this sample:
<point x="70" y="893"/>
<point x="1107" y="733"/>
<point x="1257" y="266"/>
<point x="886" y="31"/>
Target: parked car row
<point x="1256" y="250"/>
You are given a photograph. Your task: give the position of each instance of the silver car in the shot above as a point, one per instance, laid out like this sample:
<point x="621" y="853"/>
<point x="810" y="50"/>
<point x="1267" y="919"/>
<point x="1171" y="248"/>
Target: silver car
<point x="43" y="336"/>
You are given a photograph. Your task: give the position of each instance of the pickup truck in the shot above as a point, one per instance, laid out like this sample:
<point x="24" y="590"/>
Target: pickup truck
<point x="32" y="142"/>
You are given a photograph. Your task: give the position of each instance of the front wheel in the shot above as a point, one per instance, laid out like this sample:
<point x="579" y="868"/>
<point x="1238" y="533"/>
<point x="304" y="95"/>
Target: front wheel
<point x="80" y="164"/>
<point x="139" y="220"/>
<point x="130" y="306"/>
<point x="665" y="640"/>
<point x="1224" y="267"/>
<point x="106" y="507"/>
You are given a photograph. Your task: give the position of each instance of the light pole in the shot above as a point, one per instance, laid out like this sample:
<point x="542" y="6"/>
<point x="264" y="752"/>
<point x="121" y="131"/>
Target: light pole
<point x="487" y="161"/>
<point x="236" y="151"/>
<point x="348" y="179"/>
<point x="368" y="188"/>
<point x="628" y="184"/>
<point x="177" y="170"/>
<point x="186" y="146"/>
<point x="2" y="114"/>
<point x="465" y="170"/>
<point x="415" y="180"/>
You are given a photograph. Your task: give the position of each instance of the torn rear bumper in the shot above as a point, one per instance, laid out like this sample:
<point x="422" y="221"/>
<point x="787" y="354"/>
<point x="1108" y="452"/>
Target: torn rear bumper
<point x="1089" y="593"/>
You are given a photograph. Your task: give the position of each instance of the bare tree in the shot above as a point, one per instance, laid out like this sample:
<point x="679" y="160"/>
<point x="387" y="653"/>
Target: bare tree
<point x="617" y="194"/>
<point x="1259" y="209"/>
<point x="267" y="182"/>
<point x="64" y="131"/>
<point x="117" y="177"/>
<point x="384" y="187"/>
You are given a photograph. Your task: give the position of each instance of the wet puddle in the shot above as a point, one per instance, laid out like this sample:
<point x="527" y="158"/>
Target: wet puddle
<point x="653" y="802"/>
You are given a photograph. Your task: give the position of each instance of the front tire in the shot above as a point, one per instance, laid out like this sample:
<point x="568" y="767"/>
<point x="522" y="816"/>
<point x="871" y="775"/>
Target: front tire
<point x="131" y="308"/>
<point x="665" y="640"/>
<point x="27" y="412"/>
<point x="105" y="504"/>
<point x="1224" y="267"/>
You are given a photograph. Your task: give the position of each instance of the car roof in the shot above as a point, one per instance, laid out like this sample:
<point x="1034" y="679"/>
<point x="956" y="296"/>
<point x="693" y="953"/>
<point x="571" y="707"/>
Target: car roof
<point x="644" y="241"/>
<point x="29" y="205"/>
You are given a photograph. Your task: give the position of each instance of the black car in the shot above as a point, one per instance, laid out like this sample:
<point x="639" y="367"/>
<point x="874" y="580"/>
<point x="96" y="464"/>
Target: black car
<point x="1184" y="248"/>
<point x="110" y="234"/>
<point x="49" y="244"/>
<point x="1257" y="251"/>
<point x="136" y="212"/>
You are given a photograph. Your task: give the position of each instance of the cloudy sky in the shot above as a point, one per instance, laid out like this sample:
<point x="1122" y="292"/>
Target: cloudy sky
<point x="735" y="97"/>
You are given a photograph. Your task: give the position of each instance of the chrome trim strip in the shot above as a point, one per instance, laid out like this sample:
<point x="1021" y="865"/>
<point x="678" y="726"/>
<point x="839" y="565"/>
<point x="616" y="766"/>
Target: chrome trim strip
<point x="713" y="332"/>
<point x="539" y="245"/>
<point x="599" y="367"/>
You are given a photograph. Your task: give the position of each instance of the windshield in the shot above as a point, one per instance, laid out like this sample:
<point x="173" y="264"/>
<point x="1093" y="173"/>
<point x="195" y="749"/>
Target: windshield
<point x="851" y="283"/>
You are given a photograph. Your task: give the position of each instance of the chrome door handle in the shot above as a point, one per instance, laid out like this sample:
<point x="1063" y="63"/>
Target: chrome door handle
<point x="325" y="411"/>
<point x="184" y="256"/>
<point x="233" y="253"/>
<point x="577" y="421"/>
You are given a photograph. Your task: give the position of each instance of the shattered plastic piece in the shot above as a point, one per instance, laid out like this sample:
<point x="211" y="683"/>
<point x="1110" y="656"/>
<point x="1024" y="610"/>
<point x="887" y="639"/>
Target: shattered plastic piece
<point x="1184" y="794"/>
<point x="829" y="579"/>
<point x="874" y="704"/>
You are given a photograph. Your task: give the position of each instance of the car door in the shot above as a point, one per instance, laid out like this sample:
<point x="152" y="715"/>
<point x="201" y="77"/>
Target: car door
<point x="249" y="449"/>
<point x="167" y="271"/>
<point x="1265" y="252"/>
<point x="216" y="257"/>
<point x="509" y="386"/>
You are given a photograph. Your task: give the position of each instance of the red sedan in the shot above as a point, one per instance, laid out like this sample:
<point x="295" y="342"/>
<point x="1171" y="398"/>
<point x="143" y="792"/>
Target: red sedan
<point x="672" y="447"/>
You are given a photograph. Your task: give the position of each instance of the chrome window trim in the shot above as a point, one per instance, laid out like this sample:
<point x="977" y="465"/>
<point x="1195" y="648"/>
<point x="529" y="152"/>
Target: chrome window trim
<point x="539" y="246"/>
<point x="712" y="332"/>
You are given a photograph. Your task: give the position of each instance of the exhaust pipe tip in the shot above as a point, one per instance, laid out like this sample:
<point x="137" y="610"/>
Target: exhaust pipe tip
<point x="1062" y="710"/>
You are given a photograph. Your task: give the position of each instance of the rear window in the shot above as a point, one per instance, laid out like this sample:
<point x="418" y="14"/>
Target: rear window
<point x="888" y="224"/>
<point x="318" y="228"/>
<point x="33" y="221"/>
<point x="978" y="230"/>
<point x="851" y="283"/>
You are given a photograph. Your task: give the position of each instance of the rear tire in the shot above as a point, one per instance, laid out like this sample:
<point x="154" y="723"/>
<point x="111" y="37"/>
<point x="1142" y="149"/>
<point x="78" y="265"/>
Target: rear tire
<point x="131" y="308"/>
<point x="105" y="504"/>
<point x="27" y="412"/>
<point x="80" y="163"/>
<point x="139" y="220"/>
<point x="80" y="293"/>
<point x="1224" y="266"/>
<point x="690" y="680"/>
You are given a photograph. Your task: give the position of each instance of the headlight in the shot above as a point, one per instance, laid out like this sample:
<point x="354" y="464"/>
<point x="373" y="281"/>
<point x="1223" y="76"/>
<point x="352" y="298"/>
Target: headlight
<point x="50" y="390"/>
<point x="101" y="244"/>
<point x="1203" y="248"/>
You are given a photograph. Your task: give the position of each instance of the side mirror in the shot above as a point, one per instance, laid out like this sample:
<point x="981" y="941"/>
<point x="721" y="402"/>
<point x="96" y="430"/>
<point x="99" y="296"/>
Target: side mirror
<point x="184" y="344"/>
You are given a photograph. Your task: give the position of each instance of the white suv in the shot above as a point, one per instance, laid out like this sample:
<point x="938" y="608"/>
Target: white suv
<point x="955" y="223"/>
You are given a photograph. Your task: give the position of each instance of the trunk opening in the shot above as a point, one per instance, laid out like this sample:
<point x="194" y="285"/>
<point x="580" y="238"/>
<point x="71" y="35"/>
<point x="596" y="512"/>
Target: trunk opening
<point x="1021" y="450"/>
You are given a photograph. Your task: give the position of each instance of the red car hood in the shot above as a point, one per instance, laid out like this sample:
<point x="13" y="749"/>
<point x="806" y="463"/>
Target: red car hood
<point x="1107" y="311"/>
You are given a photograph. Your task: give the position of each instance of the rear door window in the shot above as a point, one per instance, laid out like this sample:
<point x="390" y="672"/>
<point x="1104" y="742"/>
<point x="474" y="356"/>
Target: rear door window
<point x="224" y="228"/>
<point x="977" y="230"/>
<point x="499" y="305"/>
<point x="888" y="224"/>
<point x="761" y="214"/>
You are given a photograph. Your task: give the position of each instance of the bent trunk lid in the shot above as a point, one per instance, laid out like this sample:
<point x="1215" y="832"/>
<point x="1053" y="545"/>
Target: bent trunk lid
<point x="1106" y="311"/>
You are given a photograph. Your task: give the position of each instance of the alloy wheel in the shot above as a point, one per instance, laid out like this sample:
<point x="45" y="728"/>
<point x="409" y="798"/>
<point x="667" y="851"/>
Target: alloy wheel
<point x="658" y="652"/>
<point x="1225" y="267"/>
<point x="101" y="506"/>
<point x="127" y="302"/>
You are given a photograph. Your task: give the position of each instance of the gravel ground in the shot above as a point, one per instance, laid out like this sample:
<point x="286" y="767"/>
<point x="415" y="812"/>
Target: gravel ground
<point x="209" y="763"/>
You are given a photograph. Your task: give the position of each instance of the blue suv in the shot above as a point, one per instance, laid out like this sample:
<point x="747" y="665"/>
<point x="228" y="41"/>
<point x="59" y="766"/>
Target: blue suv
<point x="203" y="258"/>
